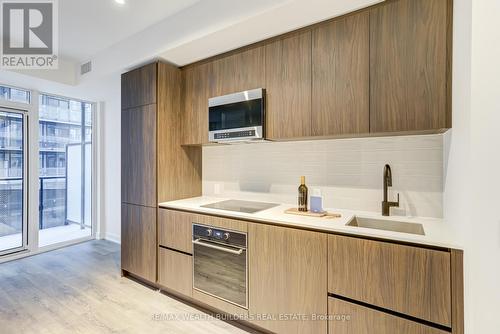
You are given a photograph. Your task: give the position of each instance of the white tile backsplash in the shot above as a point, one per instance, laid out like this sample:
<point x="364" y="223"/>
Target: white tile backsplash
<point x="348" y="171"/>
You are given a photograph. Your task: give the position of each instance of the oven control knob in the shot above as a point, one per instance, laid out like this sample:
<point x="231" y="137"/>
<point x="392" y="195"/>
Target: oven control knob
<point x="226" y="236"/>
<point x="209" y="232"/>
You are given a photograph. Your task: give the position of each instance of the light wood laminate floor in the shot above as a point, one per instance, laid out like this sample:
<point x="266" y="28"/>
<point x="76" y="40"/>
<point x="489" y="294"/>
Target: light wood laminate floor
<point x="79" y="289"/>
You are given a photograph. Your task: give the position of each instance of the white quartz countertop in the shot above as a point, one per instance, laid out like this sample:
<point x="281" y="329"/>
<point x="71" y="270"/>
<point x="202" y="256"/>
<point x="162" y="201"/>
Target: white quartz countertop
<point x="437" y="232"/>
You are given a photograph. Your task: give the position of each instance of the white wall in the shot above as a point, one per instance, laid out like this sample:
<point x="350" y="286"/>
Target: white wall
<point x="348" y="172"/>
<point x="472" y="176"/>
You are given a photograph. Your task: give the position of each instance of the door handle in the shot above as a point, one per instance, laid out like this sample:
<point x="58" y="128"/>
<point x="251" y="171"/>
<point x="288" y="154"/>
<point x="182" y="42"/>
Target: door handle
<point x="220" y="248"/>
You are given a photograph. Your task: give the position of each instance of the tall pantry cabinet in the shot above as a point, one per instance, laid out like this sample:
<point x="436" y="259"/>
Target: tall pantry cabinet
<point x="155" y="167"/>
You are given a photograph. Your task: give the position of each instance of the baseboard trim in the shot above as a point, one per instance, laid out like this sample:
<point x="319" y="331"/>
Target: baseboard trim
<point x="113" y="238"/>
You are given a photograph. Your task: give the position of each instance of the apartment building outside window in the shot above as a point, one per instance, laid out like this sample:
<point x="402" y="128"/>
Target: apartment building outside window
<point x="64" y="175"/>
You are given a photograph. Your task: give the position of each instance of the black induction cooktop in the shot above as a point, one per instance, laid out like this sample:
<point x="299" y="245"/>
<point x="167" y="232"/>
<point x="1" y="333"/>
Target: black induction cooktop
<point x="240" y="206"/>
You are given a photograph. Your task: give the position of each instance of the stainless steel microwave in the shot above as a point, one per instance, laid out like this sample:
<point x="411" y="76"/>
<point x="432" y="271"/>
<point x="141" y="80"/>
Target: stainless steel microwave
<point x="237" y="117"/>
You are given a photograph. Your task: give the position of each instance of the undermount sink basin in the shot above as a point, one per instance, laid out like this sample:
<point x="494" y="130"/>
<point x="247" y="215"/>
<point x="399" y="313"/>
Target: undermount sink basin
<point x="387" y="225"/>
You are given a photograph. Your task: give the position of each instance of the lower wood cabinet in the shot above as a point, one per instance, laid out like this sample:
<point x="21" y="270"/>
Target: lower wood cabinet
<point x="303" y="281"/>
<point x="138" y="244"/>
<point x="287" y="278"/>
<point x="410" y="280"/>
<point x="175" y="271"/>
<point x="175" y="230"/>
<point x="349" y="318"/>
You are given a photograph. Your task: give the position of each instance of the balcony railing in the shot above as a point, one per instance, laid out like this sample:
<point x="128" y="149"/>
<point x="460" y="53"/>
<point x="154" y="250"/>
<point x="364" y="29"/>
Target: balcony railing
<point x="53" y="171"/>
<point x="52" y="211"/>
<point x="11" y="173"/>
<point x="60" y="114"/>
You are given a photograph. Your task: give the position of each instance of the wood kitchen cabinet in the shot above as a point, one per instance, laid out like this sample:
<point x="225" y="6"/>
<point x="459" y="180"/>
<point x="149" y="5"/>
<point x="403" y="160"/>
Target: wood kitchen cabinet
<point x="410" y="65"/>
<point x="239" y="71"/>
<point x="138" y="244"/>
<point x="175" y="230"/>
<point x="155" y="168"/>
<point x="197" y="89"/>
<point x="139" y="155"/>
<point x="341" y="76"/>
<point x="175" y="271"/>
<point x="409" y="280"/>
<point x="288" y="87"/>
<point x="139" y="87"/>
<point x="288" y="275"/>
<point x="350" y="318"/>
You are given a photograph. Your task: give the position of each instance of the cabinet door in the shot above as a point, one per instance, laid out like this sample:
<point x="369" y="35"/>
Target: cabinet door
<point x="240" y="71"/>
<point x="349" y="318"/>
<point x="405" y="279"/>
<point x="288" y="87"/>
<point x="340" y="77"/>
<point x="139" y="87"/>
<point x="408" y="65"/>
<point x="197" y="81"/>
<point x="138" y="244"/>
<point x="175" y="271"/>
<point x="139" y="155"/>
<point x="287" y="275"/>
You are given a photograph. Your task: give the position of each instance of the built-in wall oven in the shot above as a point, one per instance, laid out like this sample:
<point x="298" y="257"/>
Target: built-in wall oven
<point x="237" y="117"/>
<point x="220" y="264"/>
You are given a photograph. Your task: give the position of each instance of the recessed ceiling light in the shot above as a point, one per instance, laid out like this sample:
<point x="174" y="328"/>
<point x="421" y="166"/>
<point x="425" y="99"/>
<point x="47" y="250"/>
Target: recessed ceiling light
<point x="120" y="2"/>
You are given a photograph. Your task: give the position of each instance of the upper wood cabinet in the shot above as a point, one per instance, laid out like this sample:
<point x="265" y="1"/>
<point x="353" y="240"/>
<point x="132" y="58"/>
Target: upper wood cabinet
<point x="340" y="76"/>
<point x="139" y="87"/>
<point x="405" y="279"/>
<point x="239" y="71"/>
<point x="288" y="87"/>
<point x="197" y="89"/>
<point x="139" y="155"/>
<point x="409" y="65"/>
<point x="287" y="276"/>
<point x="380" y="70"/>
<point x="179" y="168"/>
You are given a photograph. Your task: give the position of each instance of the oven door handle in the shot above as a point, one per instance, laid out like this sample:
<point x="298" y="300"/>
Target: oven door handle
<point x="222" y="249"/>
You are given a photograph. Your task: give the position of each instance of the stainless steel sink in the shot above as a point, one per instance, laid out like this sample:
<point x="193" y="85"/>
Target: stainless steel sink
<point x="387" y="225"/>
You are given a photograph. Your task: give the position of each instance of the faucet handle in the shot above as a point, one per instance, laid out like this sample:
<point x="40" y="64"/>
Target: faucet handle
<point x="395" y="204"/>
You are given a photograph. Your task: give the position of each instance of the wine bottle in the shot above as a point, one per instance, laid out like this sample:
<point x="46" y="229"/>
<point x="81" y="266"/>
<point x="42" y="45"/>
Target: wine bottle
<point x="302" y="194"/>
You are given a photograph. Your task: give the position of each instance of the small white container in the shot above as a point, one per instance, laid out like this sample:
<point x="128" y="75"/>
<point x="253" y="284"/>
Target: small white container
<point x="316" y="201"/>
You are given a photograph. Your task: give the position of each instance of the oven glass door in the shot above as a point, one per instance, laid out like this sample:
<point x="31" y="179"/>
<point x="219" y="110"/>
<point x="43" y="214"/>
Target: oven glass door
<point x="235" y="115"/>
<point x="220" y="271"/>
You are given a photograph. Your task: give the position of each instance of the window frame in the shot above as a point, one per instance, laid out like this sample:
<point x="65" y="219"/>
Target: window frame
<point x="32" y="157"/>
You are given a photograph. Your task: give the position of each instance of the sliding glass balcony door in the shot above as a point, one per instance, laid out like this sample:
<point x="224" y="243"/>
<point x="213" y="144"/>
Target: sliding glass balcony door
<point x="47" y="173"/>
<point x="65" y="170"/>
<point x="13" y="173"/>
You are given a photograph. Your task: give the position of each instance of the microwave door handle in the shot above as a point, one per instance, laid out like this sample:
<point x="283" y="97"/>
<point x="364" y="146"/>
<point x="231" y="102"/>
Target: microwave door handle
<point x="222" y="249"/>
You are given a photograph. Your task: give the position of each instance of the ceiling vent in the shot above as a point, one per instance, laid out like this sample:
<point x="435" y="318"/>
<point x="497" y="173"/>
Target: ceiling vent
<point x="86" y="68"/>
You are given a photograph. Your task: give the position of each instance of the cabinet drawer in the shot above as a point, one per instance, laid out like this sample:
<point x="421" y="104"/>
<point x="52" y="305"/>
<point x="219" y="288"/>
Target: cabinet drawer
<point x="175" y="271"/>
<point x="409" y="280"/>
<point x="349" y="318"/>
<point x="175" y="230"/>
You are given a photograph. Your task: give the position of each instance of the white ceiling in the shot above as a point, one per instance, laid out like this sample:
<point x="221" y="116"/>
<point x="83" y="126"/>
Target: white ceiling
<point x="87" y="27"/>
<point x="116" y="38"/>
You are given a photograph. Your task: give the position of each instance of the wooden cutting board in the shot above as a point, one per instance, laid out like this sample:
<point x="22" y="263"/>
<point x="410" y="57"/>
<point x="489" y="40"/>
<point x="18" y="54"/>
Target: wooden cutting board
<point x="326" y="214"/>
